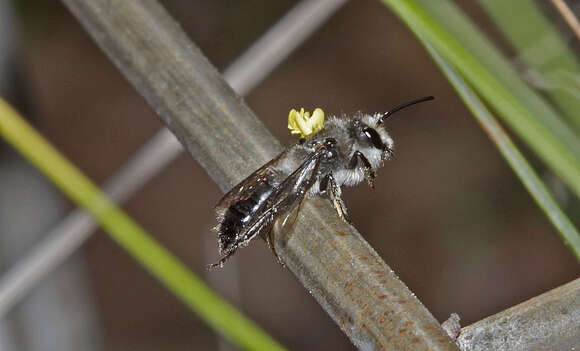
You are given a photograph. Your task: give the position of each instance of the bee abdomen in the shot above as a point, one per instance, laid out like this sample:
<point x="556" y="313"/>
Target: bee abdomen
<point x="240" y="213"/>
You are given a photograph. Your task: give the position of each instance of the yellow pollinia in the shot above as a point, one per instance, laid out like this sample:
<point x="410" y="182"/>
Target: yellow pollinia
<point x="303" y="123"/>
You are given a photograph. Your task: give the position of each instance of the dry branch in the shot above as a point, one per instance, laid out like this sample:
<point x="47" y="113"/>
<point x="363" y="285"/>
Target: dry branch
<point x="550" y="322"/>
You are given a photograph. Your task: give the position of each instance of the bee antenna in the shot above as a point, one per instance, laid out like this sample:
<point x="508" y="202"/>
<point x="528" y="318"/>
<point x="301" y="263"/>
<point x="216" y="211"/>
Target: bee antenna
<point x="402" y="106"/>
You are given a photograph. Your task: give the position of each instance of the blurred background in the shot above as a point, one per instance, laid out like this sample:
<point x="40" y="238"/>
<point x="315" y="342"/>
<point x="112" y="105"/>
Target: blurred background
<point x="447" y="213"/>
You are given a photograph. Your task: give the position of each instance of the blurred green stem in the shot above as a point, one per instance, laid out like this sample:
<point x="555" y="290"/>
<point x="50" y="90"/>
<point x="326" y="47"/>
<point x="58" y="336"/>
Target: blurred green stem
<point x="542" y="55"/>
<point x="215" y="311"/>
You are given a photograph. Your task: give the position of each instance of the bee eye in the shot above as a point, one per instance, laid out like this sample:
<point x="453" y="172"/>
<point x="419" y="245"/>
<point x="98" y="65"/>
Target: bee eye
<point x="374" y="137"/>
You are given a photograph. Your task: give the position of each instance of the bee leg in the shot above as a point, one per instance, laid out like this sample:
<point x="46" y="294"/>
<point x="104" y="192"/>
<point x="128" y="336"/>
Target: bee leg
<point x="281" y="228"/>
<point x="270" y="241"/>
<point x="288" y="205"/>
<point x="387" y="154"/>
<point x="334" y="192"/>
<point x="368" y="169"/>
<point x="222" y="260"/>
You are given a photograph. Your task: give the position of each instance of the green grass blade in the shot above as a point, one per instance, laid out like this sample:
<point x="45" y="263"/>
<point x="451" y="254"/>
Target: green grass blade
<point x="215" y="311"/>
<point x="550" y="139"/>
<point x="459" y="27"/>
<point x="549" y="63"/>
<point x="511" y="154"/>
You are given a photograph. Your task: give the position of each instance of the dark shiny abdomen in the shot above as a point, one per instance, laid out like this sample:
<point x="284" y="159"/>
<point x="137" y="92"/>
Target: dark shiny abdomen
<point x="241" y="213"/>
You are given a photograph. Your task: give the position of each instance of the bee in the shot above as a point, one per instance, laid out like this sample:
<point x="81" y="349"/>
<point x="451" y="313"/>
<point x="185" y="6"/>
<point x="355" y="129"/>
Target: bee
<point x="343" y="151"/>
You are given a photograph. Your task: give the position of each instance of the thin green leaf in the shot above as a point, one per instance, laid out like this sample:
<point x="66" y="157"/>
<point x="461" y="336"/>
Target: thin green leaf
<point x="471" y="39"/>
<point x="215" y="311"/>
<point x="511" y="154"/>
<point x="545" y="58"/>
<point x="549" y="138"/>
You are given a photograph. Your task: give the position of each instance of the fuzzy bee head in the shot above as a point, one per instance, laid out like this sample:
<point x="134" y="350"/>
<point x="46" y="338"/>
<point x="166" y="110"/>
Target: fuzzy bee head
<point x="303" y="123"/>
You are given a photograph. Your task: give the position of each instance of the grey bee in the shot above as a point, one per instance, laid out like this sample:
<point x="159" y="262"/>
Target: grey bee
<point x="344" y="150"/>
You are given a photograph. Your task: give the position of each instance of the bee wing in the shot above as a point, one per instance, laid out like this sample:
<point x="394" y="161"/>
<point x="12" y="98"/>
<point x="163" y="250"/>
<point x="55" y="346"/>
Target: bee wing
<point x="293" y="189"/>
<point x="286" y="198"/>
<point x="245" y="187"/>
<point x="288" y="195"/>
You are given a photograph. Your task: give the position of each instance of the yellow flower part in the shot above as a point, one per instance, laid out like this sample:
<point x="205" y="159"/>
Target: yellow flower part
<point x="303" y="123"/>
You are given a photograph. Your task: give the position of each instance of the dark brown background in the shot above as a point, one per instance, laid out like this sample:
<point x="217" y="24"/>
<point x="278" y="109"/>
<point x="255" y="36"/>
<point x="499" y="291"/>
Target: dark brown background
<point x="447" y="214"/>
